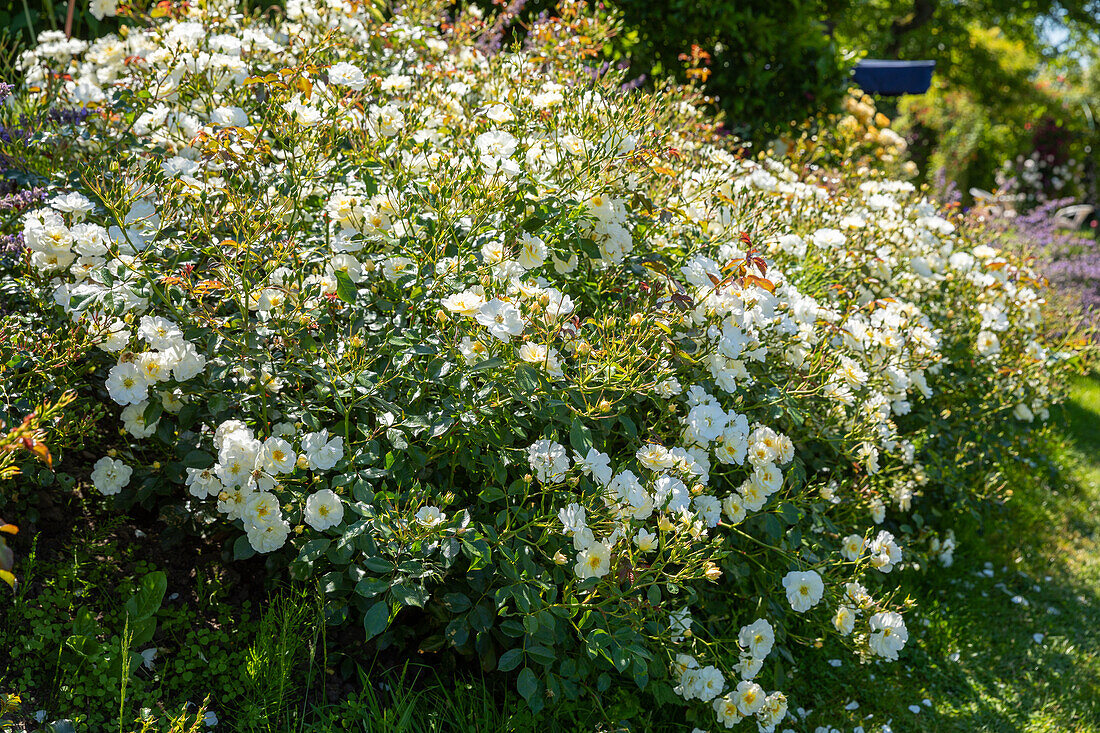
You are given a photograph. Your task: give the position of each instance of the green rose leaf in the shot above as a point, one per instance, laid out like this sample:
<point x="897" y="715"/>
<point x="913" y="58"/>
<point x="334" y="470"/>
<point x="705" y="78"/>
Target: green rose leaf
<point x="376" y="619"/>
<point x="345" y="288"/>
<point x="509" y="660"/>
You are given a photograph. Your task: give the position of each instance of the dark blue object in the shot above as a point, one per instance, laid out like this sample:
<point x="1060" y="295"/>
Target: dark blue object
<point x="881" y="76"/>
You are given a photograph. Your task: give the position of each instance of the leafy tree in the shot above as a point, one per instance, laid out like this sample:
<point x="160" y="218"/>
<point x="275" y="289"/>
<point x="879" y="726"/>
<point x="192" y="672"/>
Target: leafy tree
<point x="1003" y="76"/>
<point x="771" y="63"/>
<point x="938" y="29"/>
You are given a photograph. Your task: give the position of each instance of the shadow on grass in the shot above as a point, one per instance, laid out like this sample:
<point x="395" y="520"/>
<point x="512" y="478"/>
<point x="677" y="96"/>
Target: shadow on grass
<point x="1083" y="423"/>
<point x="1081" y="420"/>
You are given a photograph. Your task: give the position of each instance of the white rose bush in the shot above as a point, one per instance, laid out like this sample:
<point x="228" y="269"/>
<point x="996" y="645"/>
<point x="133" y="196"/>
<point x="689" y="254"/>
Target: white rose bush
<point x="611" y="402"/>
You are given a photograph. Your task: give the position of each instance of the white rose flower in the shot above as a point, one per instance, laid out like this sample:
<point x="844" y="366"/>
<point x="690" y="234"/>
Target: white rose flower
<point x="708" y="683"/>
<point x="495" y="144"/>
<point x="558" y="304"/>
<point x="501" y="318"/>
<point x="767" y="478"/>
<point x="772" y="712"/>
<point x="878" y="511"/>
<point x="133" y="420"/>
<point x="532" y="252"/>
<point x="237" y="460"/>
<point x="595" y="464"/>
<point x="888" y="634"/>
<point x="232" y="501"/>
<point x="725" y="708"/>
<point x="322" y="453"/>
<point x="988" y="344"/>
<point x="395" y="268"/>
<point x="277" y="456"/>
<point x="159" y="333"/>
<point x="669" y="388"/>
<point x="708" y="508"/>
<point x="203" y="482"/>
<point x="155" y="366"/>
<point x="804" y="589"/>
<point x="267" y="537"/>
<point x="116" y="337"/>
<point x="757" y="638"/>
<point x="261" y="508"/>
<point x="499" y="113"/>
<point x="654" y="457"/>
<point x="752" y="498"/>
<point x="734" y="508"/>
<point x="844" y="621"/>
<point x="573" y="518"/>
<point x="101" y="9"/>
<point x="749" y="666"/>
<point x="109" y="476"/>
<point x="343" y="74"/>
<point x="187" y="362"/>
<point x="126" y="384"/>
<point x="885" y="553"/>
<point x="472" y="350"/>
<point x="231" y="431"/>
<point x="324" y="510"/>
<point x="430" y="516"/>
<point x="852" y="547"/>
<point x="750" y="697"/>
<point x="646" y="540"/>
<point x="828" y="238"/>
<point x="548" y="460"/>
<point x="593" y="561"/>
<point x="387" y="120"/>
<point x="466" y="303"/>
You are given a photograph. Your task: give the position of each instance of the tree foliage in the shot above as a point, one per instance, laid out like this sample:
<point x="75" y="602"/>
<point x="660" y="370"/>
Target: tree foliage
<point x="772" y="63"/>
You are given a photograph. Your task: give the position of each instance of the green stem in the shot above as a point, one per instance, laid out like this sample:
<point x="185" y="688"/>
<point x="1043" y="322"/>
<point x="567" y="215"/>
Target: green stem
<point x="30" y="23"/>
<point x="50" y="13"/>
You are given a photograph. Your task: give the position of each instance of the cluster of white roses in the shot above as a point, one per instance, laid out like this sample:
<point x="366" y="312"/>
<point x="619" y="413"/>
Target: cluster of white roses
<point x="248" y="470"/>
<point x="672" y="490"/>
<point x="882" y="350"/>
<point x="746" y="698"/>
<point x="170" y="358"/>
<point x="57" y="244"/>
<point x="886" y="634"/>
